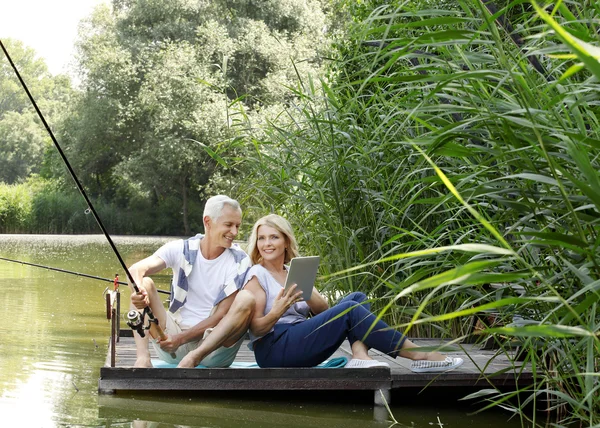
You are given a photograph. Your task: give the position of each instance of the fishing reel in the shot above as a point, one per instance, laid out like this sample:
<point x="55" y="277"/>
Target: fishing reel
<point x="135" y="320"/>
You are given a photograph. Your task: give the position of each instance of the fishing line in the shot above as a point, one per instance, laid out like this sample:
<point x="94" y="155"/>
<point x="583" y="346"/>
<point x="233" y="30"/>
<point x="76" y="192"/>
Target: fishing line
<point x="85" y="275"/>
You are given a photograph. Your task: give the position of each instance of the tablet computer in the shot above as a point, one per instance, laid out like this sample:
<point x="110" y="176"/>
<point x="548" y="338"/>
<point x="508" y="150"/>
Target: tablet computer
<point x="303" y="271"/>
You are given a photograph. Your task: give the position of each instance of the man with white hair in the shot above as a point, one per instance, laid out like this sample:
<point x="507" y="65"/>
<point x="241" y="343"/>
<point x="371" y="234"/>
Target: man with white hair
<point x="208" y="312"/>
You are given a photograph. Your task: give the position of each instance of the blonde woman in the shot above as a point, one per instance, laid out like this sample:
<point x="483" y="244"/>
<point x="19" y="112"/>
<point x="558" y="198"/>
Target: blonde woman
<point x="283" y="335"/>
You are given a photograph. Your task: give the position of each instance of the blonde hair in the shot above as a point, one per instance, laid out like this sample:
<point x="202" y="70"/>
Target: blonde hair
<point x="282" y="226"/>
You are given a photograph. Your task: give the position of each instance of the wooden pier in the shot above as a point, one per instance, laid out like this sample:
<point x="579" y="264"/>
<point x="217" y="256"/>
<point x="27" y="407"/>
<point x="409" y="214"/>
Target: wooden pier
<point x="482" y="368"/>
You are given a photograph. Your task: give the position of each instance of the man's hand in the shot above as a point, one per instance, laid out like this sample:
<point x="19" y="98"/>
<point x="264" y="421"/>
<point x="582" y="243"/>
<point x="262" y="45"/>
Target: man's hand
<point x="170" y="344"/>
<point x="140" y="300"/>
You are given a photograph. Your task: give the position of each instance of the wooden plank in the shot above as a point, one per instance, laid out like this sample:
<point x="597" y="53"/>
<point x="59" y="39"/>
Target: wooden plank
<point x="125" y="377"/>
<point x="244" y="379"/>
<point x="261" y="384"/>
<point x="246" y="373"/>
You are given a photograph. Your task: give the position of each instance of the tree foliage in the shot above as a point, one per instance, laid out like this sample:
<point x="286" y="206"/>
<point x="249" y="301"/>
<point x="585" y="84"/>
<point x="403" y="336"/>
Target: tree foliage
<point x="158" y="79"/>
<point x="23" y="140"/>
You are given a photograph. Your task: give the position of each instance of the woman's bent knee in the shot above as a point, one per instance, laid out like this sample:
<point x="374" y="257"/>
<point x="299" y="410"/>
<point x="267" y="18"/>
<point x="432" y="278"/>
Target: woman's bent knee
<point x="348" y="305"/>
<point x="358" y="296"/>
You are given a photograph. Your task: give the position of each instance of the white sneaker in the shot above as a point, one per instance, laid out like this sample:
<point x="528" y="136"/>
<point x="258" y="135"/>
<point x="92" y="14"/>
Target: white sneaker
<point x="423" y="366"/>
<point x="355" y="363"/>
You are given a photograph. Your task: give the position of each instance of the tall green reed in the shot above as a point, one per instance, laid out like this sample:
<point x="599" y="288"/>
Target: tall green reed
<point x="435" y="129"/>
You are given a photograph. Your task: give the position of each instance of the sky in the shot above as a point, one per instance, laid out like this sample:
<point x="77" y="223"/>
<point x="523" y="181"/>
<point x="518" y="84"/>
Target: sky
<point x="47" y="26"/>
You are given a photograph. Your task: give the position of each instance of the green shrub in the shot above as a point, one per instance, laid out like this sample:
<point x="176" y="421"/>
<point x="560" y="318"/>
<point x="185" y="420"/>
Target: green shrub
<point x="15" y="208"/>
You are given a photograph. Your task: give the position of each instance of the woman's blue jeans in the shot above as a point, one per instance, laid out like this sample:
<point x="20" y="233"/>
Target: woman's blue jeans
<point x="309" y="343"/>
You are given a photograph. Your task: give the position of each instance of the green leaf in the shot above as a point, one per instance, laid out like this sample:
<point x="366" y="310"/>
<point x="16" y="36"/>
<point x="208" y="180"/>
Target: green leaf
<point x="510" y="301"/>
<point x="592" y="296"/>
<point x="454" y="150"/>
<point x="574" y="69"/>
<point x="452" y="276"/>
<point x="544" y="330"/>
<point x="214" y="155"/>
<point x="588" y="54"/>
<point x="533" y="177"/>
<point x="480" y="393"/>
<point x="442" y="21"/>
<point x="469" y="248"/>
<point x="555" y="238"/>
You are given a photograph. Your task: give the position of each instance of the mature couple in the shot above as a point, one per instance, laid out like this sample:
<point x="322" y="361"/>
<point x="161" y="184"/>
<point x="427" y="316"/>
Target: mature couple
<point x="219" y="292"/>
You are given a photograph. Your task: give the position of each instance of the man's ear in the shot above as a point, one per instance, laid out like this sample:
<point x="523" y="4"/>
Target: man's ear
<point x="207" y="222"/>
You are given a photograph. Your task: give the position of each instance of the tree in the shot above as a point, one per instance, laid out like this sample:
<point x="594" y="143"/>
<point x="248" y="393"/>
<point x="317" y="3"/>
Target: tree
<point x="158" y="77"/>
<point x="33" y="71"/>
<point x="23" y="139"/>
<point x="22" y="143"/>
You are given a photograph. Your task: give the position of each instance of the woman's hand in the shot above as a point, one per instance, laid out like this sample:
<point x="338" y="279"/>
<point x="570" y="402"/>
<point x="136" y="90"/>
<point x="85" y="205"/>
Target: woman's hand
<point x="262" y="323"/>
<point x="285" y="299"/>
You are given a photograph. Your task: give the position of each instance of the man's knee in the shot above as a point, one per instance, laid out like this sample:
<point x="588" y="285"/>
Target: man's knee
<point x="148" y="284"/>
<point x="152" y="293"/>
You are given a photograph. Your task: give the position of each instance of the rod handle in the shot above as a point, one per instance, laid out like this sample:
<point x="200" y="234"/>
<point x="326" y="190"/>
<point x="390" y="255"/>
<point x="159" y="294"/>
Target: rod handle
<point x="157" y="333"/>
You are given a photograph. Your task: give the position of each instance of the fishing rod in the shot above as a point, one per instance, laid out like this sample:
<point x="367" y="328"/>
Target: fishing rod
<point x="85" y="275"/>
<point x="135" y="323"/>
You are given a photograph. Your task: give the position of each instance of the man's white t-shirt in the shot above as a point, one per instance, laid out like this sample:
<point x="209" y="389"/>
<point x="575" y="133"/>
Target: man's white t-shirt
<point x="207" y="279"/>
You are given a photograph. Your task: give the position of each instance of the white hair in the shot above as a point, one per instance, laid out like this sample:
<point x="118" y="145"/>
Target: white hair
<point x="214" y="206"/>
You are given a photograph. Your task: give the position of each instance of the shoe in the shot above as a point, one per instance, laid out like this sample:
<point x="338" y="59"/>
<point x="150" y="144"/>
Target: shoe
<point x="424" y="366"/>
<point x="355" y="363"/>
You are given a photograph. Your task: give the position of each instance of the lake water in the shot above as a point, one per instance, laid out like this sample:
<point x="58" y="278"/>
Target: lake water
<point x="54" y="339"/>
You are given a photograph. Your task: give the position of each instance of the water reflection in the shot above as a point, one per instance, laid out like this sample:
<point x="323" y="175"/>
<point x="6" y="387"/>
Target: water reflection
<point x="194" y="411"/>
<point x="247" y="409"/>
<point x="54" y="339"/>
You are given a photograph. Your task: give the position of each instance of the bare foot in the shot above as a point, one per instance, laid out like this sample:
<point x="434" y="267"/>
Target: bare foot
<point x="408" y="351"/>
<point x="188" y="362"/>
<point x="435" y="356"/>
<point x="360" y="351"/>
<point x="361" y="357"/>
<point x="143" y="362"/>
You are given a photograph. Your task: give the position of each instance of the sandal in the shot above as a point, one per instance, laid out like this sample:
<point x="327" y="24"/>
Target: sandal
<point x="423" y="366"/>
